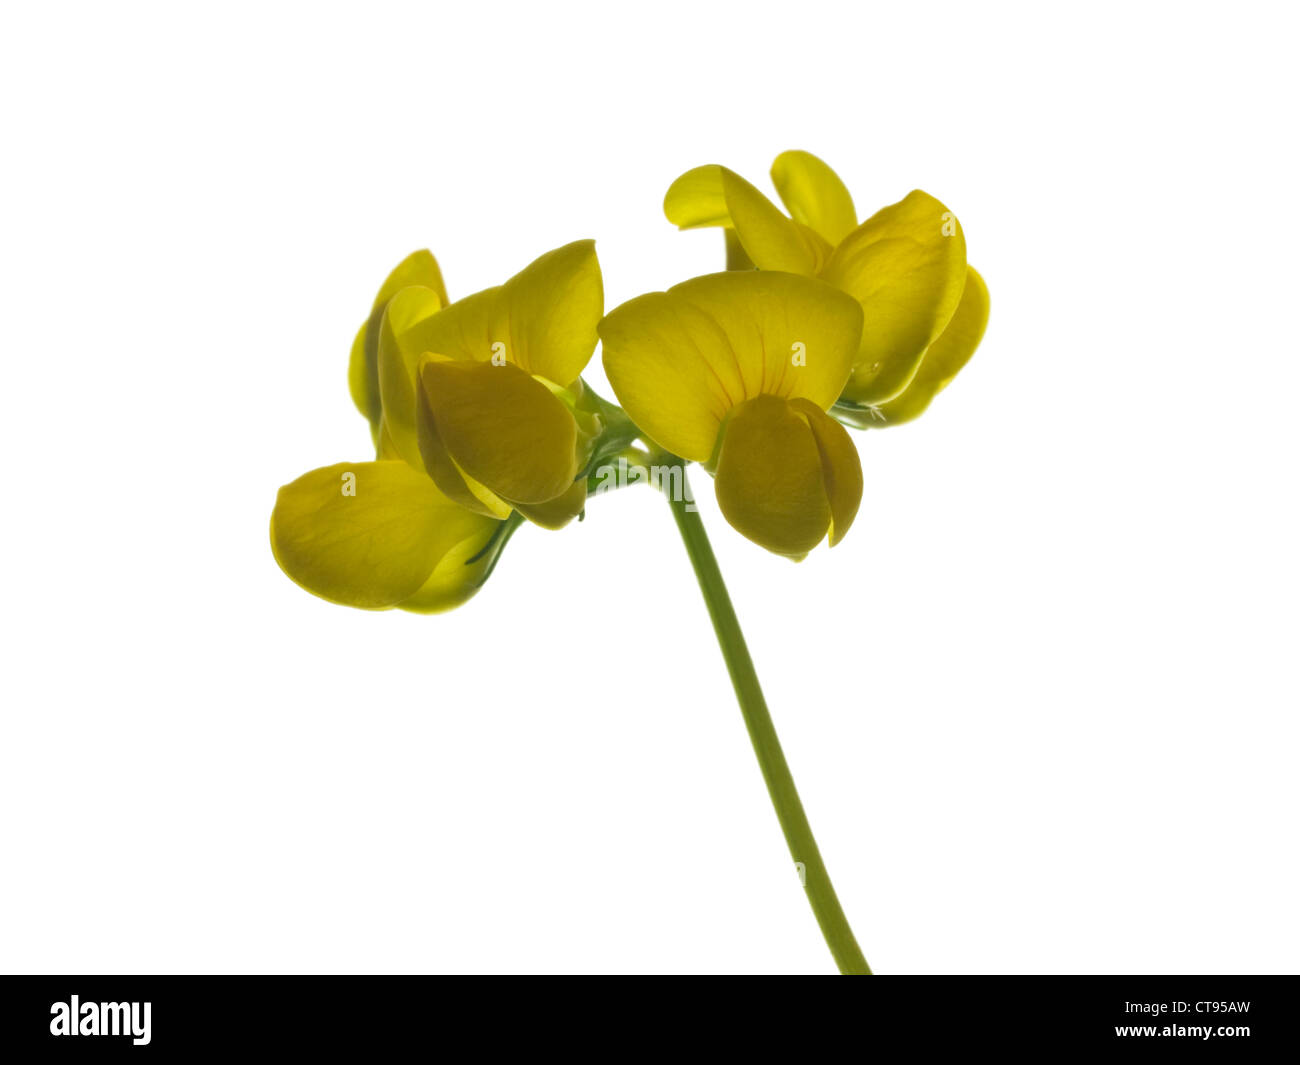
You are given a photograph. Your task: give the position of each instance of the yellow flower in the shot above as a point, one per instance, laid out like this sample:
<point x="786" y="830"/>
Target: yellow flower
<point x="485" y="394"/>
<point x="477" y="411"/>
<point x="736" y="371"/>
<point x="924" y="308"/>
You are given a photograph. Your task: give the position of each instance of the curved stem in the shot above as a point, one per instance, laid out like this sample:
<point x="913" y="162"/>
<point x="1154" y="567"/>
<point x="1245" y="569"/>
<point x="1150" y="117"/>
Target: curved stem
<point x="762" y="733"/>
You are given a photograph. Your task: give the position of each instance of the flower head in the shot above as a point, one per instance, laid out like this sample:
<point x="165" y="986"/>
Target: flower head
<point x="477" y="411"/>
<point x="905" y="265"/>
<point x="736" y="371"/>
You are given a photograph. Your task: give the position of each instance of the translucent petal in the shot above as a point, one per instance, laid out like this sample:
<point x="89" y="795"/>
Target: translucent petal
<point x="769" y="479"/>
<point x="680" y="360"/>
<point x="814" y="195"/>
<point x="696" y="199"/>
<point x="945" y="357"/>
<point x="542" y="320"/>
<point x="770" y="239"/>
<point x="458" y="575"/>
<point x="503" y="428"/>
<point x="419" y="268"/>
<point x="366" y="534"/>
<point x="558" y="512"/>
<point x="906" y="266"/>
<point x="399" y="364"/>
<point x="841" y="467"/>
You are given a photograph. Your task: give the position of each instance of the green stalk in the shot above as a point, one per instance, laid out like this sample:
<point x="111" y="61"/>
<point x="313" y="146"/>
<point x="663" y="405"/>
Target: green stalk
<point x="762" y="733"/>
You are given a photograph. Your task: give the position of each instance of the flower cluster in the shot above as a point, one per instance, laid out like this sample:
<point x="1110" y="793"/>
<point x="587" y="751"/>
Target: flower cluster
<point x="481" y="420"/>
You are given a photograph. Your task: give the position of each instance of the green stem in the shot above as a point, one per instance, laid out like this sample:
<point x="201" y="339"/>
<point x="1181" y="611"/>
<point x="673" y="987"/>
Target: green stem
<point x="762" y="733"/>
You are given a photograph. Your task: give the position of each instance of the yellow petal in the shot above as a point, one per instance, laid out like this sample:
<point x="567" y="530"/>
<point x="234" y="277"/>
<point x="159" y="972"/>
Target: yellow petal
<point x="946" y="356"/>
<point x="419" y="268"/>
<point x="502" y="427"/>
<point x="769" y="479"/>
<point x="680" y="360"/>
<point x="558" y="512"/>
<point x="906" y="265"/>
<point x="458" y="575"/>
<point x="772" y="241"/>
<point x="542" y="320"/>
<point x="785" y="335"/>
<point x="554" y="305"/>
<point x="364" y="398"/>
<point x="672" y="370"/>
<point x="399" y="364"/>
<point x="386" y="448"/>
<point x="474" y="328"/>
<point x="696" y="199"/>
<point x="736" y="257"/>
<point x="366" y="534"/>
<point x="454" y="482"/>
<point x="814" y="195"/>
<point x="841" y="467"/>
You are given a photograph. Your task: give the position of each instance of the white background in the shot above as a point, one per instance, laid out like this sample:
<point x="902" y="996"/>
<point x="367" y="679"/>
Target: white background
<point x="1042" y="701"/>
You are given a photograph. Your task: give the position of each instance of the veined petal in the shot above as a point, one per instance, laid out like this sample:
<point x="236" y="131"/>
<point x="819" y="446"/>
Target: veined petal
<point x="672" y="370"/>
<point x="787" y="335"/>
<point x="366" y="534"/>
<point x="770" y="239"/>
<point x="814" y="195"/>
<point x="542" y="320"/>
<point x="502" y="427"/>
<point x="680" y="360"/>
<point x="906" y="265"/>
<point x="769" y="479"/>
<point x="945" y="357"/>
<point x="419" y="268"/>
<point x="841" y="467"/>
